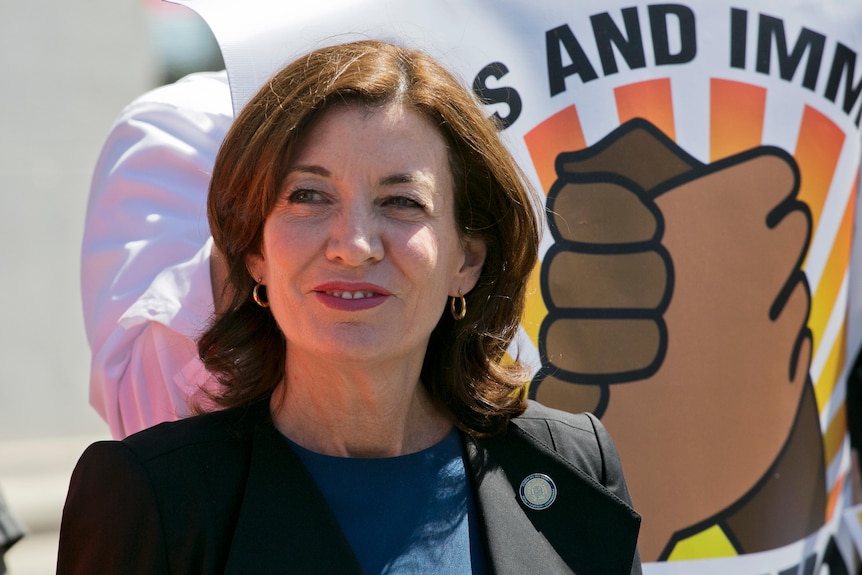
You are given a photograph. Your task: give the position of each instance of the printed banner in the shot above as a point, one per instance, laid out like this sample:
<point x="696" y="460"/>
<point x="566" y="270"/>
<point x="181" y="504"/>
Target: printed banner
<point x="699" y="162"/>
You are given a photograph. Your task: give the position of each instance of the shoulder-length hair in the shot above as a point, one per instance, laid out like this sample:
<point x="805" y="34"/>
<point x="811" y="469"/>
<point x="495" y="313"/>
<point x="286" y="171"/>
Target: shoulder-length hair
<point x="465" y="367"/>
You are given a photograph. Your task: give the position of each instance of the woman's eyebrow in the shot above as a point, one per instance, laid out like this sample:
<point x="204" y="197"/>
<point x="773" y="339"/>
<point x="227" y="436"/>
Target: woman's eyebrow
<point x="417" y="177"/>
<point x="309" y="169"/>
<point x="405" y="178"/>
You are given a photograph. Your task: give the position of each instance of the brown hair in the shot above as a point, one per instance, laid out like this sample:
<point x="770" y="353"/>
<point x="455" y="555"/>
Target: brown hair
<point x="464" y="366"/>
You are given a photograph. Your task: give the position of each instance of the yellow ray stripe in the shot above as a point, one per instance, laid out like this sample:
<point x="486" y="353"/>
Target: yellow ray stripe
<point x="833" y="273"/>
<point x="826" y="383"/>
<point x="535" y="309"/>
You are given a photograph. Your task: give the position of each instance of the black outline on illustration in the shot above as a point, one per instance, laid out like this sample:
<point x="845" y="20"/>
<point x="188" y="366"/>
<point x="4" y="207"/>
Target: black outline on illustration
<point x="789" y="205"/>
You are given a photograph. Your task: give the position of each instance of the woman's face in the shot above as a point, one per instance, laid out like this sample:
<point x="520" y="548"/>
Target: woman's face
<point x="361" y="250"/>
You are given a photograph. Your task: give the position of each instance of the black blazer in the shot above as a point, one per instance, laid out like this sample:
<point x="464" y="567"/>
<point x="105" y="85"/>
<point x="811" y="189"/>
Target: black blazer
<point x="224" y="493"/>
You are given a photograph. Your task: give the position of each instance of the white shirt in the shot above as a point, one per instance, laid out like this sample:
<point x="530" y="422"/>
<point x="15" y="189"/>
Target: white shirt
<point x="145" y="257"/>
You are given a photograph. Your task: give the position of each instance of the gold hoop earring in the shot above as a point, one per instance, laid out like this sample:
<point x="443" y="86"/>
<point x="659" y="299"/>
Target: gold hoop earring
<point x="459" y="313"/>
<point x="255" y="295"/>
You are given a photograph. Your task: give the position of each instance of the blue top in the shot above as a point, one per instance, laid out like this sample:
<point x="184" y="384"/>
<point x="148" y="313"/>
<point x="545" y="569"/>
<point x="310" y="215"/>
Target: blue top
<point x="412" y="514"/>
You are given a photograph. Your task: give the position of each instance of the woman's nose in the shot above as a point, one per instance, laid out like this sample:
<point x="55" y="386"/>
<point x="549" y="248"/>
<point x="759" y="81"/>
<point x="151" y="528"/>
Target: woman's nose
<point x="354" y="237"/>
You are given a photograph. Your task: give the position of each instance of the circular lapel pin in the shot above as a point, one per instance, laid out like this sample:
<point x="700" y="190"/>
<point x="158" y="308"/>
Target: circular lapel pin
<point x="538" y="491"/>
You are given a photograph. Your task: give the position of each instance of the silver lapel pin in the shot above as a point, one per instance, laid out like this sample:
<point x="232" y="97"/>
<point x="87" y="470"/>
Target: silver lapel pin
<point x="538" y="491"/>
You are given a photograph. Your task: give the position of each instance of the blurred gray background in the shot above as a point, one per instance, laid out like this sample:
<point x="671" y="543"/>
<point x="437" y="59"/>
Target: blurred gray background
<point x="68" y="68"/>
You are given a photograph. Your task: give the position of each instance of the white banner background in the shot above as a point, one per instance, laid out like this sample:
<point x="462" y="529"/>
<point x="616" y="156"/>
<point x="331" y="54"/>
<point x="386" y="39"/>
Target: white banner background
<point x="257" y="37"/>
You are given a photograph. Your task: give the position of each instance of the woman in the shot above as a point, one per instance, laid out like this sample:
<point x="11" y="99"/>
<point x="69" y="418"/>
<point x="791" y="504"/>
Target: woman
<point x="378" y="238"/>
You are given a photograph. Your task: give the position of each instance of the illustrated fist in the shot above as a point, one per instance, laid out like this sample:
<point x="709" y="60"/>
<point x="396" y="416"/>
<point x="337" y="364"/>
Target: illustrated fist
<point x="677" y="312"/>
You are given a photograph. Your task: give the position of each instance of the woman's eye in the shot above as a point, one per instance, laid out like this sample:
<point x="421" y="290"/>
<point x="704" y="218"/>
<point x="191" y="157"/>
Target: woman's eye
<point x="403" y="202"/>
<point x="305" y="196"/>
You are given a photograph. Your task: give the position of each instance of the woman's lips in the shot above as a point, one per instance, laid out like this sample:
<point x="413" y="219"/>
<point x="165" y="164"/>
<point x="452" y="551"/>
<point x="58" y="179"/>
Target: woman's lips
<point x="351" y="297"/>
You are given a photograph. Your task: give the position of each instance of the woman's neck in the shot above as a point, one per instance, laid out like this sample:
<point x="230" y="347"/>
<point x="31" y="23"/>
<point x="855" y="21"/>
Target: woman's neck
<point x="365" y="411"/>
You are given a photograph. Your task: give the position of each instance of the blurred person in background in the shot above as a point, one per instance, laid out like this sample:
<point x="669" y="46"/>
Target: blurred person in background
<point x="11" y="531"/>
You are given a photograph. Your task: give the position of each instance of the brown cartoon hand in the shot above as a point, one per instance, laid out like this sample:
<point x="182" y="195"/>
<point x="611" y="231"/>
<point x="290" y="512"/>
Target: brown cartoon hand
<point x="701" y="424"/>
<point x="607" y="280"/>
<point x="606" y="285"/>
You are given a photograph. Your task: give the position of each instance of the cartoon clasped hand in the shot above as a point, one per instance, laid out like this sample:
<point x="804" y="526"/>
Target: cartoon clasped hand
<point x="677" y="313"/>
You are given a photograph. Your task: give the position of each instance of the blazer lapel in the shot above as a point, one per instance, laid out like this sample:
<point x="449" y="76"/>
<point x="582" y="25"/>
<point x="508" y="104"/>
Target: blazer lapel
<point x="585" y="531"/>
<point x="284" y="523"/>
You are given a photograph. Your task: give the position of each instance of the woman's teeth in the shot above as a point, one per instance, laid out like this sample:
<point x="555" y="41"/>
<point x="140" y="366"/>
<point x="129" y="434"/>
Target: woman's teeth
<point x="351" y="294"/>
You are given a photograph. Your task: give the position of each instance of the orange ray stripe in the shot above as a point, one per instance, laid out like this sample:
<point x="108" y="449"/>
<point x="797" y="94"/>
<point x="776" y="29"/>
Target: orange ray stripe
<point x="560" y="133"/>
<point x="817" y="149"/>
<point x="833" y="273"/>
<point x="735" y="118"/>
<point x="828" y="380"/>
<point x="650" y="100"/>
<point x="835" y="433"/>
<point x="834" y="495"/>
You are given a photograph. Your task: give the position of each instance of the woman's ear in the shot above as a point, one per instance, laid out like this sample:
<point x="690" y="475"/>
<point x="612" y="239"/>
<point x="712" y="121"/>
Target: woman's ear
<point x="465" y="280"/>
<point x="255" y="264"/>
